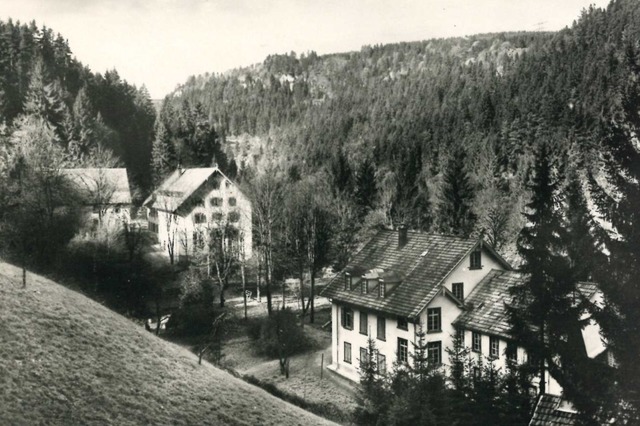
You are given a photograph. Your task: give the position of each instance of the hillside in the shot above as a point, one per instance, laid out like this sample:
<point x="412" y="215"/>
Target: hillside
<point x="383" y="125"/>
<point x="65" y="359"/>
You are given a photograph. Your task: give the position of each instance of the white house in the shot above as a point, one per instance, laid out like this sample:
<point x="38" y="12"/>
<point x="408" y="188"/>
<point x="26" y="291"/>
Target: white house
<point x="448" y="286"/>
<point x="401" y="279"/>
<point x="105" y="193"/>
<point x="190" y="201"/>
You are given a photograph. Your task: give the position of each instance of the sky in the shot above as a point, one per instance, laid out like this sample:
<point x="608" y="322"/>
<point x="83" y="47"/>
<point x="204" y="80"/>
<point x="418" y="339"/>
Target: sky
<point x="160" y="43"/>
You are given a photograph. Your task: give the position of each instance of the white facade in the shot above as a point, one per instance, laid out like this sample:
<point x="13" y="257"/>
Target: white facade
<point x="217" y="202"/>
<point x="449" y="311"/>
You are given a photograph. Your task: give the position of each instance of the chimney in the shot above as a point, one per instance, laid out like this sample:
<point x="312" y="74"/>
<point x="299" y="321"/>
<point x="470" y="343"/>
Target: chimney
<point x="402" y="235"/>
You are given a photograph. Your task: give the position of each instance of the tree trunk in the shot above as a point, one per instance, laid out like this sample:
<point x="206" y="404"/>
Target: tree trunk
<point x="258" y="280"/>
<point x="267" y="280"/>
<point x="244" y="290"/>
<point x="284" y="285"/>
<point x="303" y="309"/>
<point x="312" y="296"/>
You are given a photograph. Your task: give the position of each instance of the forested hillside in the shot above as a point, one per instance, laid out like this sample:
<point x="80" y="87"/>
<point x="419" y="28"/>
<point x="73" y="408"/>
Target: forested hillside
<point x="40" y="75"/>
<point x="391" y="126"/>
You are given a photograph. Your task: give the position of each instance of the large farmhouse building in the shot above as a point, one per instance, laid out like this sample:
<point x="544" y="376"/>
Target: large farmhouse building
<point x="402" y="282"/>
<point x="192" y="201"/>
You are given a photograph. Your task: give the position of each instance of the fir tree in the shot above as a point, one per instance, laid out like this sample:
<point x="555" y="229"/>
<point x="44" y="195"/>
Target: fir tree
<point x="373" y="396"/>
<point x="619" y="203"/>
<point x="365" y="187"/>
<point x="163" y="158"/>
<point x="540" y="310"/>
<point x="455" y="213"/>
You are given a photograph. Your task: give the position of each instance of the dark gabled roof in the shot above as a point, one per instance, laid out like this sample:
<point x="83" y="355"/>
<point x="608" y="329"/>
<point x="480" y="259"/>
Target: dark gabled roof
<point x="486" y="305"/>
<point x="549" y="412"/>
<point x="112" y="182"/>
<point x="179" y="186"/>
<point x="422" y="263"/>
<point x="487" y="312"/>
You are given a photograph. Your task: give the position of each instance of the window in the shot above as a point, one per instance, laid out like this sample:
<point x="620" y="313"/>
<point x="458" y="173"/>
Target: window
<point x="364" y="319"/>
<point x="217" y="217"/>
<point x="364" y="286"/>
<point x="433" y="319"/>
<point x="153" y="213"/>
<point x="200" y="218"/>
<point x="403" y="350"/>
<point x="347" y="352"/>
<point x="232" y="201"/>
<point x="434" y="353"/>
<point x="476" y="373"/>
<point x="382" y="364"/>
<point x="403" y="324"/>
<point x="382" y="328"/>
<point x="347" y="318"/>
<point x="476" y="342"/>
<point x="512" y="352"/>
<point x="198" y="240"/>
<point x="494" y="347"/>
<point x="363" y="356"/>
<point x="460" y="337"/>
<point x="382" y="290"/>
<point x="347" y="281"/>
<point x="215" y="201"/>
<point x="458" y="291"/>
<point x="199" y="202"/>
<point x="476" y="259"/>
<point x="234" y="217"/>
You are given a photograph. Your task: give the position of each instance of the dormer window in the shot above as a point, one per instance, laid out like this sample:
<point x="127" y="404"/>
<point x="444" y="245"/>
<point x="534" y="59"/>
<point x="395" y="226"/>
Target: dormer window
<point x="382" y="290"/>
<point x="347" y="281"/>
<point x="458" y="291"/>
<point x="475" y="261"/>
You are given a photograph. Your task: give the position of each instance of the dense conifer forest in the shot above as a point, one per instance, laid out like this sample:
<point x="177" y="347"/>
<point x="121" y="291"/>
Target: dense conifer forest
<point x="391" y="125"/>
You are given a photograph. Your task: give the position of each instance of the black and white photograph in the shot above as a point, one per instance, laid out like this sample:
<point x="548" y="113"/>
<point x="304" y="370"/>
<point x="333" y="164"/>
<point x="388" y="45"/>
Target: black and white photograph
<point x="297" y="212"/>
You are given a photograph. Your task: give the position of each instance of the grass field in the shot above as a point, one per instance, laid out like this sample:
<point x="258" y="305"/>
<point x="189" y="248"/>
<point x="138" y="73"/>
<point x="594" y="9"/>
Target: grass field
<point x="65" y="359"/>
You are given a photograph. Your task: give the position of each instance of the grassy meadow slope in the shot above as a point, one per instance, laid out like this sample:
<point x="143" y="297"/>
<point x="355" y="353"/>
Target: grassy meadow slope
<point x="65" y="359"/>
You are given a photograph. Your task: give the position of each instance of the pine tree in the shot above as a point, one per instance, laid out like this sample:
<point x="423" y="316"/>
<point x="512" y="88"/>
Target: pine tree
<point x="619" y="203"/>
<point x="365" y="187"/>
<point x="83" y="135"/>
<point x="163" y="157"/>
<point x="455" y="212"/>
<point x="373" y="397"/>
<point x="541" y="305"/>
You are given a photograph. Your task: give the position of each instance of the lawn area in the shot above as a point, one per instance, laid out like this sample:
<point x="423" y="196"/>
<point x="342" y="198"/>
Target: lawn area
<point x="305" y="380"/>
<point x="65" y="359"/>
